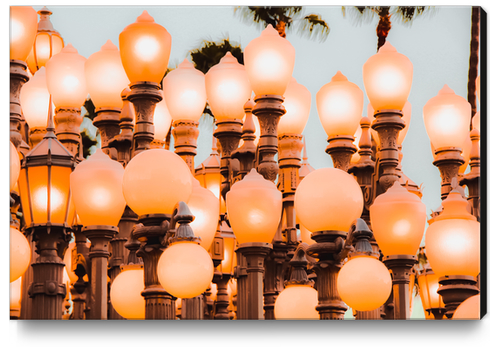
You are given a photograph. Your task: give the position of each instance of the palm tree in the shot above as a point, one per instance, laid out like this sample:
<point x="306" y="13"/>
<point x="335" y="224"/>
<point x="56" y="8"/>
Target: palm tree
<point x="473" y="64"/>
<point x="281" y="18"/>
<point x="404" y="14"/>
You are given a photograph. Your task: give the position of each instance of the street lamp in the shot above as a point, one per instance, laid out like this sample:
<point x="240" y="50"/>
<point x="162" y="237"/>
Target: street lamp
<point x="145" y="49"/>
<point x="431" y="300"/>
<point x="339" y="105"/>
<point x="20" y="254"/>
<point x="162" y="120"/>
<point x="106" y="79"/>
<point x="126" y="292"/>
<point x="469" y="309"/>
<point x="65" y="78"/>
<point x="447" y="118"/>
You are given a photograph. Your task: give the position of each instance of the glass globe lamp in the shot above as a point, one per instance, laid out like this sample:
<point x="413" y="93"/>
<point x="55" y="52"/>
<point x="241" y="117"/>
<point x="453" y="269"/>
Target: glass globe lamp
<point x="328" y="199"/>
<point x="34" y="99"/>
<point x="23" y="29"/>
<point x="297" y="102"/>
<point x="468" y="309"/>
<point x="20" y="254"/>
<point x="126" y="291"/>
<point x="297" y="302"/>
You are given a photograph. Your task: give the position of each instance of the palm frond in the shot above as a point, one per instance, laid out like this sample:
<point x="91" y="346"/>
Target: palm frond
<point x="406" y="14"/>
<point x="314" y="27"/>
<point x="264" y="15"/>
<point x="360" y="15"/>
<point x="211" y="52"/>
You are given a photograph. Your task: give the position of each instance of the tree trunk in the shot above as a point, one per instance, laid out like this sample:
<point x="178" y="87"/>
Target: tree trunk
<point x="384" y="25"/>
<point x="473" y="66"/>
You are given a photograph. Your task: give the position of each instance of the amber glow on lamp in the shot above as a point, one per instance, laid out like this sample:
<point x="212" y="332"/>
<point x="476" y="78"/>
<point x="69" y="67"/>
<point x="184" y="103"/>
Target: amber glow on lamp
<point x="357" y="137"/>
<point x="15" y="294"/>
<point x="126" y="292"/>
<point x="398" y="221"/>
<point x="208" y="172"/>
<point x="161" y="119"/>
<point x="447" y="119"/>
<point x="205" y="208"/>
<point x="65" y="77"/>
<point x="364" y="283"/>
<point x="97" y="190"/>
<point x="475" y="121"/>
<point x="227" y="88"/>
<point x="185" y="269"/>
<point x="23" y="29"/>
<point x="305" y="235"/>
<point x="105" y="76"/>
<point x="185" y="92"/>
<point x="328" y="199"/>
<point x="253" y="219"/>
<point x="155" y="180"/>
<point x="20" y="254"/>
<point x="387" y="77"/>
<point x="297" y="301"/>
<point x="68" y="263"/>
<point x="269" y="62"/>
<point x="428" y="283"/>
<point x="145" y="49"/>
<point x="339" y="105"/>
<point x="407" y="116"/>
<point x="34" y="99"/>
<point x="297" y="102"/>
<point x="452" y="240"/>
<point x="468" y="309"/>
<point x="14" y="166"/>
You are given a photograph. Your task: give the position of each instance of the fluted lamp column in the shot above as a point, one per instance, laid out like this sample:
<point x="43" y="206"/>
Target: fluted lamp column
<point x="65" y="77"/>
<point x="447" y="119"/>
<point x="106" y="79"/>
<point x="185" y="94"/>
<point x="269" y="62"/>
<point x="327" y="201"/>
<point x="472" y="179"/>
<point x="339" y="105"/>
<point x="23" y="28"/>
<point x="153" y="182"/>
<point x="145" y="49"/>
<point x="254" y="222"/>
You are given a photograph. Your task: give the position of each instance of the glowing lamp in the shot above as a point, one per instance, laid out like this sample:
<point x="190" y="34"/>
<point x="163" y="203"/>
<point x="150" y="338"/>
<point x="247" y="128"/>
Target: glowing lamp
<point x="185" y="269"/>
<point x="305" y="235"/>
<point x="14" y="166"/>
<point x="468" y="309"/>
<point x="161" y="119"/>
<point x="475" y="121"/>
<point x="364" y="283"/>
<point x="328" y="199"/>
<point x="145" y="49"/>
<point x="387" y="77"/>
<point x="67" y="259"/>
<point x="44" y="183"/>
<point x="447" y="119"/>
<point x="23" y="29"/>
<point x="126" y="292"/>
<point x="15" y="295"/>
<point x="34" y="99"/>
<point x="252" y="219"/>
<point x="185" y="92"/>
<point x="357" y="137"/>
<point x="155" y="180"/>
<point x="297" y="302"/>
<point x="205" y="208"/>
<point x="20" y="254"/>
<point x="106" y="77"/>
<point x="97" y="190"/>
<point x="208" y="172"/>
<point x="398" y="221"/>
<point x="452" y="240"/>
<point x="429" y="284"/>
<point x="47" y="43"/>
<point x="407" y="116"/>
<point x="339" y="105"/>
<point x="65" y="77"/>
<point x="297" y="102"/>
<point x="269" y="62"/>
<point x="227" y="88"/>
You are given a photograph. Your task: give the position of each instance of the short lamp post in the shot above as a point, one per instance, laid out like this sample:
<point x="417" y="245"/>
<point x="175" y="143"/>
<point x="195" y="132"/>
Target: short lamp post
<point x="97" y="193"/>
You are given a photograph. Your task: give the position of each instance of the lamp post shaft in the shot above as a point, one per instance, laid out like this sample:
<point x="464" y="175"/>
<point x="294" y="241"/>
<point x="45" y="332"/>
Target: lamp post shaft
<point x="456" y="289"/>
<point x="401" y="267"/>
<point x="185" y="137"/>
<point x="242" y="286"/>
<point x="448" y="160"/>
<point x="222" y="299"/>
<point x="18" y="77"/>
<point x="68" y="123"/>
<point x="107" y="121"/>
<point x="341" y="148"/>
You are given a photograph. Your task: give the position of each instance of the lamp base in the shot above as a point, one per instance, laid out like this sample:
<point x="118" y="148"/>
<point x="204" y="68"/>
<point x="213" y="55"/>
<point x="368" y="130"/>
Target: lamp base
<point x="456" y="289"/>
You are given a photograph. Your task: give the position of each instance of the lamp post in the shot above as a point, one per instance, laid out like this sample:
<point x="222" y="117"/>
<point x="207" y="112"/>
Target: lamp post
<point x="65" y="77"/>
<point x="269" y="62"/>
<point x="44" y="188"/>
<point x="123" y="141"/>
<point x="472" y="179"/>
<point x="145" y="49"/>
<point x="447" y="120"/>
<point x="337" y="192"/>
<point x="23" y="25"/>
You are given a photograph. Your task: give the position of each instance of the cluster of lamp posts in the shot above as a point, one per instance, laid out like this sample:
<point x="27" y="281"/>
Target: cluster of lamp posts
<point x="183" y="229"/>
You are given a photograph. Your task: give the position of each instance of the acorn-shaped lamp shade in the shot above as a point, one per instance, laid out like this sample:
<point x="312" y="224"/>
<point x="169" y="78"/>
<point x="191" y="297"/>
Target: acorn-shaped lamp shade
<point x="126" y="292"/>
<point x="387" y="77"/>
<point x="23" y="29"/>
<point x="106" y="78"/>
<point x="297" y="102"/>
<point x="297" y="302"/>
<point x="185" y="92"/>
<point x="328" y="199"/>
<point x="34" y="99"/>
<point x="97" y="190"/>
<point x="155" y="180"/>
<point x="339" y="104"/>
<point x="227" y="88"/>
<point x="20" y="254"/>
<point x="253" y="219"/>
<point x="145" y="49"/>
<point x="269" y="62"/>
